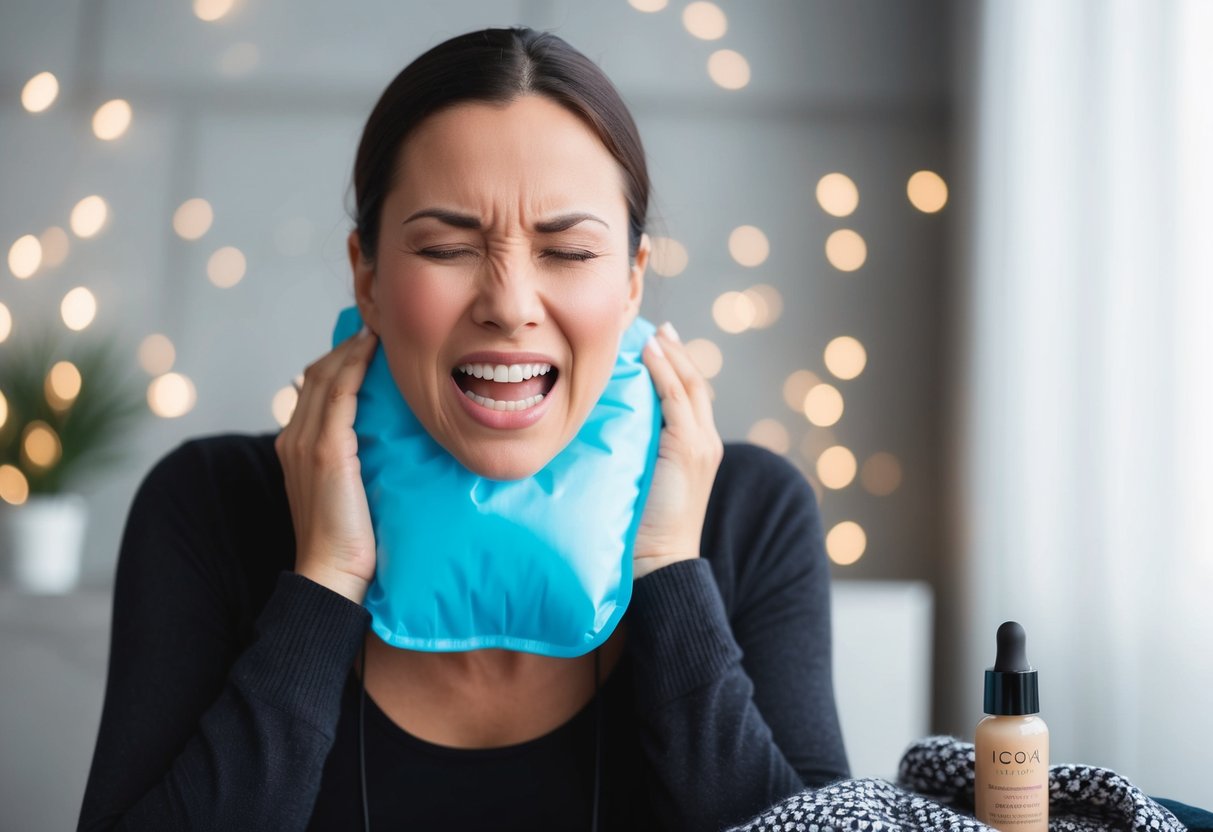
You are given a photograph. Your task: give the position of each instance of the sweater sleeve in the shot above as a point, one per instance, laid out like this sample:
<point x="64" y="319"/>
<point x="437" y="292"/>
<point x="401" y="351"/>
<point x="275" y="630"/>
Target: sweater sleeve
<point x="737" y="706"/>
<point x="198" y="731"/>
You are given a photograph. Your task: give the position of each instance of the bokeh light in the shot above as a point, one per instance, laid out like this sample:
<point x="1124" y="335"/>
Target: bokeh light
<point x="55" y="246"/>
<point x="797" y="386"/>
<point x="112" y="119"/>
<point x="212" y="10"/>
<point x="706" y="356"/>
<point x="837" y="194"/>
<point x="25" y="256"/>
<point x="14" y="487"/>
<point x="79" y="308"/>
<point x="846" y="250"/>
<point x="823" y="405"/>
<point x="729" y="69"/>
<point x="734" y="312"/>
<point x="768" y="304"/>
<point x="62" y="385"/>
<point x="846" y="542"/>
<point x="283" y="405"/>
<point x="881" y="474"/>
<point x="705" y="20"/>
<point x="40" y="92"/>
<point x="845" y="357"/>
<point x="668" y="257"/>
<point x="6" y="323"/>
<point x="40" y="445"/>
<point x="171" y="395"/>
<point x="648" y="5"/>
<point x="157" y="354"/>
<point x="3" y="409"/>
<point x="89" y="216"/>
<point x="193" y="218"/>
<point x="770" y="434"/>
<point x="226" y="267"/>
<point x="836" y="467"/>
<point x="927" y="191"/>
<point x="749" y="246"/>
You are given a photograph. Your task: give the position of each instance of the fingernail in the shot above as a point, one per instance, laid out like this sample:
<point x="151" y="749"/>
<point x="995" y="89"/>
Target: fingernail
<point x="652" y="342"/>
<point x="670" y="332"/>
<point x="362" y="333"/>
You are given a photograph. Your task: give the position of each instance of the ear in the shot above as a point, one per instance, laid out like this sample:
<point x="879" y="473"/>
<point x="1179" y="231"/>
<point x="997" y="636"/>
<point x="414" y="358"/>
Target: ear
<point x="364" y="282"/>
<point x="636" y="278"/>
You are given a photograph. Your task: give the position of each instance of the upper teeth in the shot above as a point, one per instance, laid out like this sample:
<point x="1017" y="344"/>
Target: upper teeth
<point x="505" y="372"/>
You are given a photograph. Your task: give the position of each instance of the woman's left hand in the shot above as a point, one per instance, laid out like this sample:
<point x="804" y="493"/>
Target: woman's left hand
<point x="688" y="457"/>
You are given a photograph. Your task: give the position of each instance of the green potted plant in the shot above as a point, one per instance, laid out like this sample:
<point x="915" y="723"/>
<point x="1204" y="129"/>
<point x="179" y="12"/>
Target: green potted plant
<point x="65" y="404"/>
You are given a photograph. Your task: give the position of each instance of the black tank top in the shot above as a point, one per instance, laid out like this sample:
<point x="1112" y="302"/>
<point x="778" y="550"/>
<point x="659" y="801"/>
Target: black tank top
<point x="543" y="784"/>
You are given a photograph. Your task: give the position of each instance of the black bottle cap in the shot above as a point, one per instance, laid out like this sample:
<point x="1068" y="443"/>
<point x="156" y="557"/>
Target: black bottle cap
<point x="1011" y="687"/>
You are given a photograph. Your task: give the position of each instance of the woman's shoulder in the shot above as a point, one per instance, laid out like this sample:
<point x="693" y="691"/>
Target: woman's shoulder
<point x="762" y="525"/>
<point x="751" y="473"/>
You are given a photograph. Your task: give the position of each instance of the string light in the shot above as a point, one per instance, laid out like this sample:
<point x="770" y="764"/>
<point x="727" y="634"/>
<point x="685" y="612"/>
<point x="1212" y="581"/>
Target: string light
<point x="40" y="92"/>
<point x="845" y="357"/>
<point x="734" y="312"/>
<point x="89" y="216"/>
<point x="823" y="405"/>
<point x="770" y="434"/>
<point x="846" y="542"/>
<point x="846" y="250"/>
<point x="78" y="308"/>
<point x="112" y="119"/>
<point x="25" y="256"/>
<point x="881" y="474"/>
<point x="55" y="246"/>
<point x="157" y="354"/>
<point x="749" y="246"/>
<point x="927" y="191"/>
<point x="797" y="386"/>
<point x="193" y="218"/>
<point x="729" y="69"/>
<point x="705" y="20"/>
<point x="14" y="487"/>
<point x="226" y="267"/>
<point x="171" y="395"/>
<point x="837" y="194"/>
<point x="668" y="257"/>
<point x="836" y="467"/>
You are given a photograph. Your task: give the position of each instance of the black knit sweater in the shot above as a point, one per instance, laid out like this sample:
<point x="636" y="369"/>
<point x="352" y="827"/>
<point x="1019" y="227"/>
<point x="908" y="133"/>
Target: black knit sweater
<point x="231" y="701"/>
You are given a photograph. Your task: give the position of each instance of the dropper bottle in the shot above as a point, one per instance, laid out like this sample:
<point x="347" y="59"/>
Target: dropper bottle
<point x="1012" y="743"/>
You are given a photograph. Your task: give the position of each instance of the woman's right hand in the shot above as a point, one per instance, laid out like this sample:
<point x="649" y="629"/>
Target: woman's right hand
<point x="318" y="449"/>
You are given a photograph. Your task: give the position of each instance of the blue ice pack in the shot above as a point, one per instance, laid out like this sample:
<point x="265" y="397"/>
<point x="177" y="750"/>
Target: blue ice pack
<point x="542" y="564"/>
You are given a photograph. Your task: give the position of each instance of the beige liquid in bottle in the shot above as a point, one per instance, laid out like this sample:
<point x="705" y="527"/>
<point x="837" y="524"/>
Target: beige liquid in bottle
<point x="1011" y="788"/>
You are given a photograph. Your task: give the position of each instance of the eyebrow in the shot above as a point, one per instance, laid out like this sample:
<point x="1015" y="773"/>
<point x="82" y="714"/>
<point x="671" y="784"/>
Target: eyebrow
<point x="560" y="223"/>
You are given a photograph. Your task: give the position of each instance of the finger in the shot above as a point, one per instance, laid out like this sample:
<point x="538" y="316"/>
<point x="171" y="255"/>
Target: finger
<point x="675" y="404"/>
<point x="318" y="381"/>
<point x="342" y="397"/>
<point x="692" y="380"/>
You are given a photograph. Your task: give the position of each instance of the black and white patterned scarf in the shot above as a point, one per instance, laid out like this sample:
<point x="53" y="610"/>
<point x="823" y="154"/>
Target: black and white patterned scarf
<point x="934" y="791"/>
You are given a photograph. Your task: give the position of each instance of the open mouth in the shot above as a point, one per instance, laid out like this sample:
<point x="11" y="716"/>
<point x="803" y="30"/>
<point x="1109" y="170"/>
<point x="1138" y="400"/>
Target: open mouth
<point x="507" y="387"/>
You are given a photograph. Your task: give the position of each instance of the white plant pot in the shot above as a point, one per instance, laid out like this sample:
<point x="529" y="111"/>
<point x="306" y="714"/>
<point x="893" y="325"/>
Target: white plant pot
<point x="44" y="538"/>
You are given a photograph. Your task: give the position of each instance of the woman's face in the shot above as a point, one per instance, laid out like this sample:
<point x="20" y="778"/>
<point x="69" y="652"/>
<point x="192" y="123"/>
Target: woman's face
<point x="502" y="250"/>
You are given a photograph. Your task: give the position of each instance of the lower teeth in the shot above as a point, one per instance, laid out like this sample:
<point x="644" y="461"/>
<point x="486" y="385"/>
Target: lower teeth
<point x="493" y="404"/>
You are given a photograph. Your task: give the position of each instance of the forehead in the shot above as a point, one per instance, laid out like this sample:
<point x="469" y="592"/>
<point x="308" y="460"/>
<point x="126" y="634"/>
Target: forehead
<point x="531" y="153"/>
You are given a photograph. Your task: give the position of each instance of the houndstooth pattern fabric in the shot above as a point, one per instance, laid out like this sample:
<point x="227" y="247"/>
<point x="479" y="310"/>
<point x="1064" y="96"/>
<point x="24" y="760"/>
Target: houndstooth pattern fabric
<point x="934" y="791"/>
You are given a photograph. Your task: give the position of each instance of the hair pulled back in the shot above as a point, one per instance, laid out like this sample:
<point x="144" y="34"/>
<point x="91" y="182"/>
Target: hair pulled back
<point x="494" y="66"/>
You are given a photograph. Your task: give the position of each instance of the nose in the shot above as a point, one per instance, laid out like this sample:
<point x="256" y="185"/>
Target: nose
<point x="507" y="295"/>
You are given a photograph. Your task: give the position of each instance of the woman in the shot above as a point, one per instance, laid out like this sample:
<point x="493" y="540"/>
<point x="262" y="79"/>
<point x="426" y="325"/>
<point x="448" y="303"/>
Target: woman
<point x="501" y="197"/>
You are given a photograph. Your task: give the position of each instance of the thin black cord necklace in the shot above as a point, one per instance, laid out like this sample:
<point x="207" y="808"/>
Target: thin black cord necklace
<point x="366" y="815"/>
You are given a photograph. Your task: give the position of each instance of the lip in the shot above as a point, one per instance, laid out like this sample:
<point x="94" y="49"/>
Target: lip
<point x="501" y="419"/>
<point x="507" y="358"/>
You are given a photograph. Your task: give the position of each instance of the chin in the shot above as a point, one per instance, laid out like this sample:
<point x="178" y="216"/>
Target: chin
<point x="506" y="465"/>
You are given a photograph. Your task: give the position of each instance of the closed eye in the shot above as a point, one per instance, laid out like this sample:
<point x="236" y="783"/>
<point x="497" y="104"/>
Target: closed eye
<point x="453" y="253"/>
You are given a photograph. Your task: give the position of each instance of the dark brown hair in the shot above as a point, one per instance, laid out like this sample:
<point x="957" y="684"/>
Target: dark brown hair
<point x="494" y="66"/>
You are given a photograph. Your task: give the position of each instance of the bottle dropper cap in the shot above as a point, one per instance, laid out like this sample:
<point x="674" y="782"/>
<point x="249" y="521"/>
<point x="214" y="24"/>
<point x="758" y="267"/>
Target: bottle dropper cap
<point x="1011" y="687"/>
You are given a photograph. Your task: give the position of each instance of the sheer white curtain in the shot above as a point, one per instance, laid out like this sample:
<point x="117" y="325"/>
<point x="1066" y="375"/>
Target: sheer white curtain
<point x="1086" y="489"/>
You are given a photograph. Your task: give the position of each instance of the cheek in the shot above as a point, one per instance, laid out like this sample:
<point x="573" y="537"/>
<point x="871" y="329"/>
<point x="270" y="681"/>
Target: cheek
<point x="421" y="311"/>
